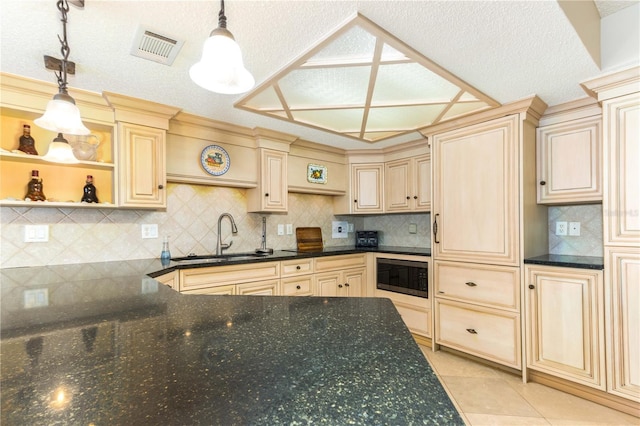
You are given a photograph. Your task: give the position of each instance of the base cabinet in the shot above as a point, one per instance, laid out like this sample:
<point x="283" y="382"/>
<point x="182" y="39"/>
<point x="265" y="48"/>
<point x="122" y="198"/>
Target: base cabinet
<point x="622" y="304"/>
<point x="347" y="283"/>
<point x="564" y="323"/>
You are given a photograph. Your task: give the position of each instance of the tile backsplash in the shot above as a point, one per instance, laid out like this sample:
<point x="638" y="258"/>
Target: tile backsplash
<point x="93" y="235"/>
<point x="590" y="241"/>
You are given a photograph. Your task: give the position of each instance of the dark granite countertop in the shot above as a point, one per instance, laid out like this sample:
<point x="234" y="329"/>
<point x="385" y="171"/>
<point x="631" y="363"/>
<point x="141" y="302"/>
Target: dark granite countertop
<point x="199" y="262"/>
<point x="102" y="343"/>
<point x="582" y="262"/>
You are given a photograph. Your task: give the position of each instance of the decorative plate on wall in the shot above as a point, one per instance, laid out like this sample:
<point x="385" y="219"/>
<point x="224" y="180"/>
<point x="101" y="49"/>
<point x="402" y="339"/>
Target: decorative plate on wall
<point x="316" y="173"/>
<point x="215" y="160"/>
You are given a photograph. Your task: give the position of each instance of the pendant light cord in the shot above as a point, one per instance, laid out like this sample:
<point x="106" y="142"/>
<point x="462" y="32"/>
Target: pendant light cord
<point x="63" y="7"/>
<point x="222" y="20"/>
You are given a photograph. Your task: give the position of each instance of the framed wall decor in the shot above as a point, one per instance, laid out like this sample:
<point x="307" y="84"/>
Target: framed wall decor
<point x="215" y="160"/>
<point x="316" y="173"/>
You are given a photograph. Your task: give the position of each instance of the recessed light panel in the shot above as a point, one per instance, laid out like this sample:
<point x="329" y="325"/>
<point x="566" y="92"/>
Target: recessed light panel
<point x="363" y="83"/>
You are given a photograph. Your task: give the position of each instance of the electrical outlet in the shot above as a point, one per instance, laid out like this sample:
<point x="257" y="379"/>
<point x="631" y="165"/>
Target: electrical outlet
<point x="289" y="229"/>
<point x="149" y="230"/>
<point x="280" y="229"/>
<point x="561" y="228"/>
<point x="574" y="229"/>
<point x="36" y="233"/>
<point x="36" y="298"/>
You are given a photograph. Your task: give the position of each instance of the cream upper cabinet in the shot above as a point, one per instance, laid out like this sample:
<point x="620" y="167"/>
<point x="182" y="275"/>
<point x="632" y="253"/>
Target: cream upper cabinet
<point x="142" y="129"/>
<point x="271" y="193"/>
<point x="366" y="190"/>
<point x="569" y="162"/>
<point x="622" y="170"/>
<point x="564" y="323"/>
<point x="407" y="184"/>
<point x="622" y="309"/>
<point x="142" y="159"/>
<point x="475" y="211"/>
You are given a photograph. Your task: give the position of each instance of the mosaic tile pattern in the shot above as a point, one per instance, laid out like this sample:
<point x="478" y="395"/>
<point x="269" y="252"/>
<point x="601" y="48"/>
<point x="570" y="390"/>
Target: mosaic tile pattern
<point x="190" y="221"/>
<point x="590" y="241"/>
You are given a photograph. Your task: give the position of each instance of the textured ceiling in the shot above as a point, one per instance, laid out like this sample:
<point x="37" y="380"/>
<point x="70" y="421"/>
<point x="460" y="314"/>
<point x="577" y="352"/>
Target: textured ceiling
<point x="506" y="49"/>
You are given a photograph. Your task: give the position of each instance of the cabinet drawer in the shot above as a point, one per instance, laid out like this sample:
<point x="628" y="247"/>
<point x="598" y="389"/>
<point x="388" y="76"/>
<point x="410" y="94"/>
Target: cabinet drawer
<point x="221" y="290"/>
<point x="300" y="286"/>
<point x="292" y="268"/>
<point x="495" y="286"/>
<point x="487" y="333"/>
<point x="231" y="274"/>
<point x="331" y="263"/>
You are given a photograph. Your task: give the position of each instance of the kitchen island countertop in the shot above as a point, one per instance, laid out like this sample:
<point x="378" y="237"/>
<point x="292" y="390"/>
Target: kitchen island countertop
<point x="102" y="343"/>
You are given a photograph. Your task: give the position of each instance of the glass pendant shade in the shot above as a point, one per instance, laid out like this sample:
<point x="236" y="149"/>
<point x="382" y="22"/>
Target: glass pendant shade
<point x="221" y="69"/>
<point x="60" y="151"/>
<point x="62" y="116"/>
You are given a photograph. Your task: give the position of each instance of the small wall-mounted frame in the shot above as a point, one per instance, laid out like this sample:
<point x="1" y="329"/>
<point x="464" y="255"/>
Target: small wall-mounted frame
<point x="316" y="173"/>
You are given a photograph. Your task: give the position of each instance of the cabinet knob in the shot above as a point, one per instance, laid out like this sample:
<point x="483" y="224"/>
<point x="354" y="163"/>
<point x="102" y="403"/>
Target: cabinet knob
<point x="472" y="331"/>
<point x="531" y="286"/>
<point x="415" y="197"/>
<point x="471" y="284"/>
<point x="346" y="284"/>
<point x="297" y="287"/>
<point x="543" y="183"/>
<point x="339" y="285"/>
<point x="266" y="195"/>
<point x="298" y="267"/>
<point x="355" y="201"/>
<point x="160" y="186"/>
<point x="408" y="198"/>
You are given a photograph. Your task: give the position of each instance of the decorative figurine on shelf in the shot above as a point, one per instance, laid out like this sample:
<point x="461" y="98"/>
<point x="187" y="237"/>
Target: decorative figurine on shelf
<point x="89" y="195"/>
<point x="27" y="143"/>
<point x="34" y="188"/>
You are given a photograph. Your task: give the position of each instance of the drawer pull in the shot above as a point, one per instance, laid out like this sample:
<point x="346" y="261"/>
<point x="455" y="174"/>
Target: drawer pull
<point x="471" y="284"/>
<point x="531" y="286"/>
<point x="346" y="284"/>
<point x="298" y="287"/>
<point x="298" y="267"/>
<point x="440" y="292"/>
<point x="472" y="331"/>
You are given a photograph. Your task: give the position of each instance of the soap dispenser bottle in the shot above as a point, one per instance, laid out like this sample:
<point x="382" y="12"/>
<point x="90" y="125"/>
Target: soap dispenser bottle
<point x="165" y="255"/>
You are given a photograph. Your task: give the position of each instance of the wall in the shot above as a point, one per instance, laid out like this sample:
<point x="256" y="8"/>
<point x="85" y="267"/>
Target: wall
<point x="590" y="241"/>
<point x="94" y="235"/>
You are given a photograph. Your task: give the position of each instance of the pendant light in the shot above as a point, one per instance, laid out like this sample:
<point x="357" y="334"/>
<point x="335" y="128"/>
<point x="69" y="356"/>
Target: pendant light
<point x="60" y="151"/>
<point x="221" y="69"/>
<point x="62" y="115"/>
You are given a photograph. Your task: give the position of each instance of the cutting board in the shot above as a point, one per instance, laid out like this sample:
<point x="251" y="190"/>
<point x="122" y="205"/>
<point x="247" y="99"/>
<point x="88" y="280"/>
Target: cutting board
<point x="309" y="239"/>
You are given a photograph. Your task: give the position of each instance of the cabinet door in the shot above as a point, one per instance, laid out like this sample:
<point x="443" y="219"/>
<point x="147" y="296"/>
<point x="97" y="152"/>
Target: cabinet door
<point x="622" y="293"/>
<point x="422" y="196"/>
<point x="475" y="208"/>
<point x="142" y="166"/>
<point x="354" y="282"/>
<point x="622" y="172"/>
<point x="398" y="188"/>
<point x="569" y="162"/>
<point x="367" y="188"/>
<point x="327" y="284"/>
<point x="274" y="180"/>
<point x="564" y="324"/>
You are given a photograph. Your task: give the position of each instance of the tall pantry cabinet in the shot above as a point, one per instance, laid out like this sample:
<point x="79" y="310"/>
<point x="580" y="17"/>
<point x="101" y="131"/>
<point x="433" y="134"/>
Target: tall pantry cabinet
<point x="485" y="221"/>
<point x="619" y="95"/>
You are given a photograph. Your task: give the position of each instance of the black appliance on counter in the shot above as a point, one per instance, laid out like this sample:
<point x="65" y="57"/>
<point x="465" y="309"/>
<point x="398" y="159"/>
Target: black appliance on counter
<point x="403" y="276"/>
<point x="367" y="239"/>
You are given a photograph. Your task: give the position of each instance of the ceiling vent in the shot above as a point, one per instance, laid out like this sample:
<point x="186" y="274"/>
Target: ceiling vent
<point x="155" y="47"/>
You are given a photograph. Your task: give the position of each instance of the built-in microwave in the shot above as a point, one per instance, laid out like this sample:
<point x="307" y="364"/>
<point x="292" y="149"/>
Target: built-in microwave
<point x="403" y="276"/>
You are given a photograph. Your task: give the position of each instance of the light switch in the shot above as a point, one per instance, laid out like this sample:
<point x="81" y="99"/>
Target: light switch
<point x="289" y="229"/>
<point x="280" y="229"/>
<point x="413" y="228"/>
<point x="149" y="230"/>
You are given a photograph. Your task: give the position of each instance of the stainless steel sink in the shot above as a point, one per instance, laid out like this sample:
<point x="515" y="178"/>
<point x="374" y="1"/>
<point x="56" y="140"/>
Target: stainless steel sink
<point x="217" y="259"/>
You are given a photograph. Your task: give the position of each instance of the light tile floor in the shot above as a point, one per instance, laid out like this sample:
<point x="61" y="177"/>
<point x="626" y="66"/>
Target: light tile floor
<point x="486" y="395"/>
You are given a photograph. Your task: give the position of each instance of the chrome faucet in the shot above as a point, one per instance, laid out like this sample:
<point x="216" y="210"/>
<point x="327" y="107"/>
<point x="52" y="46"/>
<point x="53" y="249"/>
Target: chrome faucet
<point x="234" y="229"/>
